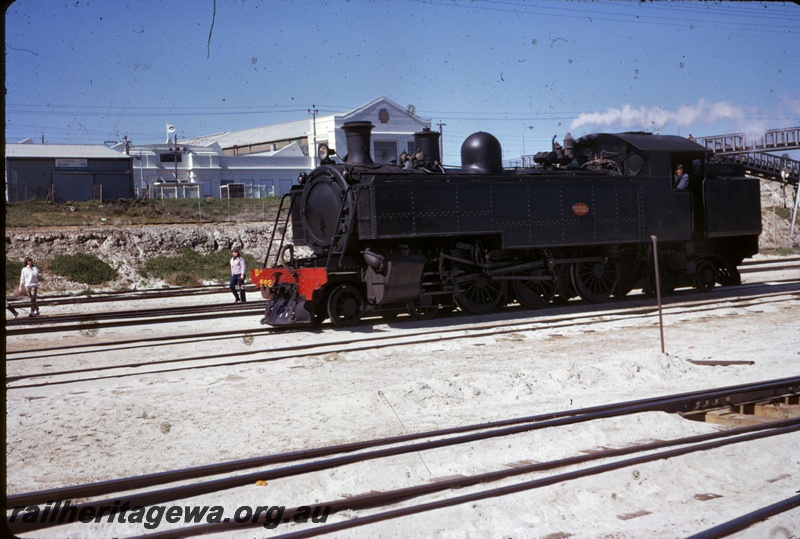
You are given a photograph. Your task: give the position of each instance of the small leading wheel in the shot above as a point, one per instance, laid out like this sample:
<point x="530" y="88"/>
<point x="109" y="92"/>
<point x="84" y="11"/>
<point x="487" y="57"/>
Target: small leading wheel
<point x="595" y="281"/>
<point x="536" y="291"/>
<point x="705" y="276"/>
<point x="345" y="306"/>
<point x="423" y="308"/>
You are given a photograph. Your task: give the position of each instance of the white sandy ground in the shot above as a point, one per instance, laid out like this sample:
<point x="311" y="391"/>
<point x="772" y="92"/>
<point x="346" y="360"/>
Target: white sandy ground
<point x="103" y="429"/>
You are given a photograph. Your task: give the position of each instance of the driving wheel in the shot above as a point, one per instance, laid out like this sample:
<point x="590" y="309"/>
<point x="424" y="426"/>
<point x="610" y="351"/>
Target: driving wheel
<point x="478" y="294"/>
<point x="595" y="281"/>
<point x="535" y="291"/>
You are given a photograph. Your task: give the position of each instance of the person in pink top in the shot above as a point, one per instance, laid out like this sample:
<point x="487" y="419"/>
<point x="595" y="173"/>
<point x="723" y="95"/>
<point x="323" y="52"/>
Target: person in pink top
<point x="237" y="275"/>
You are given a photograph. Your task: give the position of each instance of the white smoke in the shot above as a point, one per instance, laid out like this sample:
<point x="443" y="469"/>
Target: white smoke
<point x="656" y="118"/>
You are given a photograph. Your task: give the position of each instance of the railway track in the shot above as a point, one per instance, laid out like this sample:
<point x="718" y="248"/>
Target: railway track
<point x="153" y="489"/>
<point x="336" y="345"/>
<point x="123" y="318"/>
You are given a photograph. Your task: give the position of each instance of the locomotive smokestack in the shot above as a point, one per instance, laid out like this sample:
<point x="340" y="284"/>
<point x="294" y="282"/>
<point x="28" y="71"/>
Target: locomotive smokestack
<point x="428" y="141"/>
<point x="358" y="142"/>
<point x="569" y="146"/>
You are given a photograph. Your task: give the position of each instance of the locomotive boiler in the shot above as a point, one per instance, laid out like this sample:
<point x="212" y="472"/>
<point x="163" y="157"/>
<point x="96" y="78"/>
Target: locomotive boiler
<point x="414" y="236"/>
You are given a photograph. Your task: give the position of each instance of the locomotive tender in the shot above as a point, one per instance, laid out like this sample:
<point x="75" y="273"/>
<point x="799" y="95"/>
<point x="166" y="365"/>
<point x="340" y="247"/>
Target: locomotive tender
<point x="413" y="236"/>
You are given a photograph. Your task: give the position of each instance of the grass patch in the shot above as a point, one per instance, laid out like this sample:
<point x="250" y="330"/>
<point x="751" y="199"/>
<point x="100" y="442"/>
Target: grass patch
<point x="190" y="268"/>
<point x="82" y="268"/>
<point x="780" y="212"/>
<point x="785" y="251"/>
<point x="37" y="213"/>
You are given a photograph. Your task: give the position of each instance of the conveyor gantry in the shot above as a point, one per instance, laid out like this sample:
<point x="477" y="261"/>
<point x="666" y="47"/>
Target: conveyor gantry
<point x="750" y="151"/>
<point x="775" y="139"/>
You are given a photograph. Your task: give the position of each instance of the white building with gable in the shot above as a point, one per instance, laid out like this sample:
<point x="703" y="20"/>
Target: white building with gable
<point x="265" y="160"/>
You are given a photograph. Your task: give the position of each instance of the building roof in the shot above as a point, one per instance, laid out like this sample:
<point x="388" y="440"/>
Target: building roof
<point x="63" y="151"/>
<point x="288" y="131"/>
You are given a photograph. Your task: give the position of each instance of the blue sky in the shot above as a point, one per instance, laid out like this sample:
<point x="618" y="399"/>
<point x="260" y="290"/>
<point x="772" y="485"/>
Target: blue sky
<point x="86" y="71"/>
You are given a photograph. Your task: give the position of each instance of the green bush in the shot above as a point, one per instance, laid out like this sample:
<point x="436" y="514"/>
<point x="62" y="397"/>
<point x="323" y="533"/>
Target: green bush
<point x="82" y="268"/>
<point x="189" y="266"/>
<point x="780" y="212"/>
<point x="13" y="270"/>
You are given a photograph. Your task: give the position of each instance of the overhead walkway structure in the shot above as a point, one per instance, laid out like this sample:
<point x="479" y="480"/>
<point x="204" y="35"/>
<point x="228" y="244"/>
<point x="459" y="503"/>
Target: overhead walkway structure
<point x="752" y="152"/>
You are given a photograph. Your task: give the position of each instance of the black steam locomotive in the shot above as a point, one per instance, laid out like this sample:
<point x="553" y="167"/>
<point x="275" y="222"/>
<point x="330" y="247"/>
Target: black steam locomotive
<point x="416" y="237"/>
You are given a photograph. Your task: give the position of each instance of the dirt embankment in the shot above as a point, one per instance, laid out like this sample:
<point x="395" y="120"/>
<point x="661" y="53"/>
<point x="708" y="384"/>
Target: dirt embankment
<point x="126" y="248"/>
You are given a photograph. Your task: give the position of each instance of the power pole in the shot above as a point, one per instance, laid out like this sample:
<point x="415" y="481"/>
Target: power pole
<point x="313" y="112"/>
<point x="441" y="140"/>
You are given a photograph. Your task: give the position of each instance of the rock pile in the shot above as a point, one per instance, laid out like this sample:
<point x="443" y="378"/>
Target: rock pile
<point x="126" y="248"/>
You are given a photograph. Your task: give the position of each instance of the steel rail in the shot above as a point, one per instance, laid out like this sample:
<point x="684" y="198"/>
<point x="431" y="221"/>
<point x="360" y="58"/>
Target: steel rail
<point x="126" y="295"/>
<point x="39" y="325"/>
<point x="644" y="310"/>
<point x="728" y="396"/>
<point x="702" y="442"/>
<point x="371" y="344"/>
<point x="745" y="521"/>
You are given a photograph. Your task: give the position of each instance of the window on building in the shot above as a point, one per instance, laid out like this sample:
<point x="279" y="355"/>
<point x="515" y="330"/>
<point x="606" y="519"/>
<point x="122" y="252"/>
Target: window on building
<point x="267" y="187"/>
<point x="385" y="151"/>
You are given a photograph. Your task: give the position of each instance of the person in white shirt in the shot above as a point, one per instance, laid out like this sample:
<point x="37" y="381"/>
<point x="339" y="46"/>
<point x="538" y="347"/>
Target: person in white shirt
<point x="237" y="275"/>
<point x="29" y="280"/>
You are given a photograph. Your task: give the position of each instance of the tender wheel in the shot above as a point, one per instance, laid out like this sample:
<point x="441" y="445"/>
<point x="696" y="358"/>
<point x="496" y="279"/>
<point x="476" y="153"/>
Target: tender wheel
<point x="479" y="294"/>
<point x="535" y="292"/>
<point x="345" y="306"/>
<point x="595" y="281"/>
<point x="705" y="276"/>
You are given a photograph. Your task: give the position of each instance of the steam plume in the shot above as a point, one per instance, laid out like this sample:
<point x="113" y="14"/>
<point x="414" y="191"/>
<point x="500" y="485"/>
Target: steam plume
<point x="655" y="118"/>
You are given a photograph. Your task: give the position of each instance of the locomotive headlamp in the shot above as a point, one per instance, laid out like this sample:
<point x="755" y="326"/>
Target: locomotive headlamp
<point x="324" y="152"/>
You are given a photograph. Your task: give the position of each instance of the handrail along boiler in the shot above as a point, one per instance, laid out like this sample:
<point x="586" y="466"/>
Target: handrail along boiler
<point x="416" y="237"/>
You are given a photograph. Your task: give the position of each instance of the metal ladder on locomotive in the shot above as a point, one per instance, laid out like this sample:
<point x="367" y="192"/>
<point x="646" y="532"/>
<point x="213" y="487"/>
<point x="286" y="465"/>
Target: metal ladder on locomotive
<point x="284" y="213"/>
<point x="344" y="226"/>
